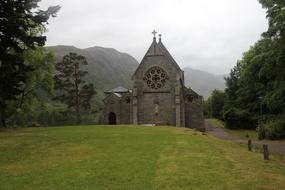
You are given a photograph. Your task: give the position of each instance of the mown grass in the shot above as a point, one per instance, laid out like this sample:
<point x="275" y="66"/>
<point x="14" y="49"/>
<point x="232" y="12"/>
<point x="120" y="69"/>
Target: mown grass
<point x="243" y="133"/>
<point x="130" y="157"/>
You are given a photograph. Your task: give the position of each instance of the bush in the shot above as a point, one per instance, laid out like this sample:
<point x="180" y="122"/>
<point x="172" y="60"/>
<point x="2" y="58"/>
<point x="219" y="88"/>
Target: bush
<point x="239" y="119"/>
<point x="261" y="133"/>
<point x="274" y="130"/>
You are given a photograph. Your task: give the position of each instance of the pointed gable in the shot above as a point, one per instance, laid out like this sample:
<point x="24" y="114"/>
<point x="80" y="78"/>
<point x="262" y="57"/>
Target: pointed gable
<point x="158" y="49"/>
<point x="168" y="55"/>
<point x="154" y="49"/>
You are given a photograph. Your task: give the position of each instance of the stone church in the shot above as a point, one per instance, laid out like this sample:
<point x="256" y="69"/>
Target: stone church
<point x="158" y="97"/>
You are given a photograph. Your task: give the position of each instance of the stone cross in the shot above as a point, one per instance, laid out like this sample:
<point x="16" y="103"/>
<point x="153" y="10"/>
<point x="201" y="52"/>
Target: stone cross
<point x="154" y="32"/>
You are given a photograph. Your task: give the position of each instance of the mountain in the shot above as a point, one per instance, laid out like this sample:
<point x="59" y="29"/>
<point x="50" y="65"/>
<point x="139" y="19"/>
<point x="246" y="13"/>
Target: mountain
<point x="107" y="67"/>
<point x="203" y="82"/>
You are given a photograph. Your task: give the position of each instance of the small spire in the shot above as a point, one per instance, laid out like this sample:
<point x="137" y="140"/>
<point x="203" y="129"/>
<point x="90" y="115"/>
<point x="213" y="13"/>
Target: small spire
<point x="154" y="32"/>
<point x="159" y="37"/>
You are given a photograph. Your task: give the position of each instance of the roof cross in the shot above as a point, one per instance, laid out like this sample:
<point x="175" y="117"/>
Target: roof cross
<point x="154" y="32"/>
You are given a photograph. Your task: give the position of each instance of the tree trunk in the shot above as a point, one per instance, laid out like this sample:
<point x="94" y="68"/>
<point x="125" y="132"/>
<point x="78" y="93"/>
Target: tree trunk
<point x="77" y="109"/>
<point x="3" y="119"/>
<point x="77" y="96"/>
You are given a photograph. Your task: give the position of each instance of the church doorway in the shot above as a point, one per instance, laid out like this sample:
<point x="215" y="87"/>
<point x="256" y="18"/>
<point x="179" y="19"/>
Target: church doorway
<point x="112" y="118"/>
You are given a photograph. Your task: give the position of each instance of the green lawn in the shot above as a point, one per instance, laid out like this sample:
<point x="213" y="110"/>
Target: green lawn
<point x="122" y="157"/>
<point x="243" y="133"/>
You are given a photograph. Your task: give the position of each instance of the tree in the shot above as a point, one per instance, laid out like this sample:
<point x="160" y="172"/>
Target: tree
<point x="41" y="79"/>
<point x="217" y="101"/>
<point x="214" y="104"/>
<point x="275" y="98"/>
<point x="255" y="89"/>
<point x="37" y="90"/>
<point x="71" y="87"/>
<point x="21" y="28"/>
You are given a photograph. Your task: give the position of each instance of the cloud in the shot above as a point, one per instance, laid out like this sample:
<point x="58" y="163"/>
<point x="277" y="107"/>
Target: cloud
<point x="206" y="34"/>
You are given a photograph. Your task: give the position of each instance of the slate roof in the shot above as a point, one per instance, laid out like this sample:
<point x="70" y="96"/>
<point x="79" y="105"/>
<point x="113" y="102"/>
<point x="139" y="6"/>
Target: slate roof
<point x="117" y="94"/>
<point x="118" y="89"/>
<point x="190" y="91"/>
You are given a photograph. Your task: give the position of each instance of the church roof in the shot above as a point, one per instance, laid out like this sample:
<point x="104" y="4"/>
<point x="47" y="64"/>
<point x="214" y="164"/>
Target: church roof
<point x="158" y="49"/>
<point x="117" y="94"/>
<point x="154" y="49"/>
<point x="190" y="91"/>
<point x="118" y="89"/>
<point x="167" y="54"/>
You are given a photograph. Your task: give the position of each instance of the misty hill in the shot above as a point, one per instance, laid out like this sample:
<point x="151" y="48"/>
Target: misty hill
<point x="203" y="82"/>
<point x="106" y="67"/>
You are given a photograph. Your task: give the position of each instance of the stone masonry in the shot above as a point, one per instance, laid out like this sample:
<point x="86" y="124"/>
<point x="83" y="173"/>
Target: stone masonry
<point x="158" y="96"/>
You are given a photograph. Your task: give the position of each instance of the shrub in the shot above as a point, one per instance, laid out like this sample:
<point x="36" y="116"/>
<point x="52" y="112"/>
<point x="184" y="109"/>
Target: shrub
<point x="274" y="129"/>
<point x="261" y="133"/>
<point x="238" y="119"/>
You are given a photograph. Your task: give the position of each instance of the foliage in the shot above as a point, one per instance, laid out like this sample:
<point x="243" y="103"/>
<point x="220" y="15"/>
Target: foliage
<point x="256" y="85"/>
<point x="72" y="89"/>
<point x="21" y="28"/>
<point x="274" y="129"/>
<point x="238" y="119"/>
<point x="214" y="104"/>
<point x="36" y="92"/>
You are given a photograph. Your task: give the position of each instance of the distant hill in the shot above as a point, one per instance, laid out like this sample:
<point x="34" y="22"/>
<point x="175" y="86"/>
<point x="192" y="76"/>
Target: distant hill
<point x="203" y="82"/>
<point x="107" y="67"/>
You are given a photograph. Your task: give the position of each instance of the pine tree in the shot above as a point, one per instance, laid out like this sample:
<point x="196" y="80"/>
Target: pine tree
<point x="72" y="89"/>
<point x="21" y="28"/>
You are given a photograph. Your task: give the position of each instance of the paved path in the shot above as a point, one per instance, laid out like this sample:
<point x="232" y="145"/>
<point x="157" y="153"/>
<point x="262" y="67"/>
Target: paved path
<point x="274" y="146"/>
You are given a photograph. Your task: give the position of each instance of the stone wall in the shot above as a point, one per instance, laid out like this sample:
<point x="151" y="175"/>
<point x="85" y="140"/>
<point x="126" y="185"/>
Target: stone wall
<point x="125" y="111"/>
<point x="194" y="114"/>
<point x="120" y="106"/>
<point x="163" y="99"/>
<point x="167" y="104"/>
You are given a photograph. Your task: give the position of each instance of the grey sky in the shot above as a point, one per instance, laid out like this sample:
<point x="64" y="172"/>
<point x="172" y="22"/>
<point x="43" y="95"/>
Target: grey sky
<point x="208" y="35"/>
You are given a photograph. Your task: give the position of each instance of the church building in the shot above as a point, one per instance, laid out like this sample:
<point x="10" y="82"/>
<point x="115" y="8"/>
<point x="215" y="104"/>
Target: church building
<point x="158" y="96"/>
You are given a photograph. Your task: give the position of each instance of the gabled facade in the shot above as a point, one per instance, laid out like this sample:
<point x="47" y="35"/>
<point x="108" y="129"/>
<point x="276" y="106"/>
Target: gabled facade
<point x="158" y="96"/>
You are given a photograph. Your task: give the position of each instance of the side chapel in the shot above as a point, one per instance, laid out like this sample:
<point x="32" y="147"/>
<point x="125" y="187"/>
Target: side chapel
<point x="158" y="97"/>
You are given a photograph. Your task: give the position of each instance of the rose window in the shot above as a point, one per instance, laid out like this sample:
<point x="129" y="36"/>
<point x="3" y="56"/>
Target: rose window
<point x="155" y="78"/>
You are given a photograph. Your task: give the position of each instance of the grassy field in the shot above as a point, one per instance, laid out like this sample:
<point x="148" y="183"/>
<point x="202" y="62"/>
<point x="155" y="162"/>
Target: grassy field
<point x="243" y="133"/>
<point x="135" y="158"/>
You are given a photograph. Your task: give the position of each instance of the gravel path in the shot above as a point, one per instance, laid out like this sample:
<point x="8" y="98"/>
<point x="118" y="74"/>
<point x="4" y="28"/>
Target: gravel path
<point x="273" y="146"/>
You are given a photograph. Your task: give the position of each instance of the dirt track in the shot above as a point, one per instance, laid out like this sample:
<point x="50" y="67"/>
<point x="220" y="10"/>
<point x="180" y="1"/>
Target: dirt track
<point x="274" y="146"/>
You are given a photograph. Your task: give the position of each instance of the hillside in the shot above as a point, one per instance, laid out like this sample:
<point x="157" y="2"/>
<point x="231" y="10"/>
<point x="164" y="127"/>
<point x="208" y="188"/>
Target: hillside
<point x="107" y="67"/>
<point x="203" y="82"/>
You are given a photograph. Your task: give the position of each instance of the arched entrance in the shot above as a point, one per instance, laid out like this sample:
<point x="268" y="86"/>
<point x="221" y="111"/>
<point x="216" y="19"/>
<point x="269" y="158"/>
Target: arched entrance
<point x="112" y="118"/>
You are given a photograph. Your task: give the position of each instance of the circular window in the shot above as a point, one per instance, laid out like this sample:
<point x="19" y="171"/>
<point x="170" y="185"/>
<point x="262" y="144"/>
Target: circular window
<point x="155" y="77"/>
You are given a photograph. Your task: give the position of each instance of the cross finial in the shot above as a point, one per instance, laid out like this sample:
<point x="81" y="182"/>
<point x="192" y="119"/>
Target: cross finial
<point x="154" y="32"/>
<point x="159" y="37"/>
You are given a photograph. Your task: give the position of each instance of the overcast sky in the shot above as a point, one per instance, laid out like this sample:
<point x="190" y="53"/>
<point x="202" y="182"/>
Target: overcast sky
<point x="209" y="35"/>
